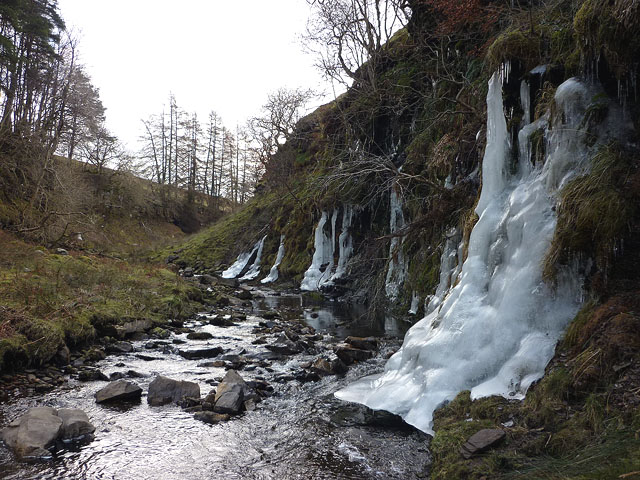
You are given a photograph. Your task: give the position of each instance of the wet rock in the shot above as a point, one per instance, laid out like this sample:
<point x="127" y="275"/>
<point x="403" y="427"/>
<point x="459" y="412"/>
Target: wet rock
<point x="211" y="417"/>
<point x="133" y="326"/>
<point x="118" y="391"/>
<point x="228" y="282"/>
<point x="197" y="353"/>
<point x="481" y="441"/>
<point x="243" y="294"/>
<point x="146" y="358"/>
<point x="363" y="343"/>
<point x="230" y="401"/>
<point x="187" y="272"/>
<point x="199" y="336"/>
<point x="207" y="279"/>
<point x="259" y="341"/>
<point x="61" y="251"/>
<point x="349" y="355"/>
<point x="270" y="315"/>
<point x="285" y="346"/>
<point x="34" y="433"/>
<point x="250" y="405"/>
<point x="75" y="424"/>
<point x="120" y="347"/>
<point x="328" y="366"/>
<point x="171" y="259"/>
<point x="95" y="355"/>
<point x="117" y="376"/>
<point x="214" y="364"/>
<point x="220" y="321"/>
<point x="165" y="390"/>
<point x="239" y="317"/>
<point x="91" y="375"/>
<point x="194" y="409"/>
<point x="62" y="357"/>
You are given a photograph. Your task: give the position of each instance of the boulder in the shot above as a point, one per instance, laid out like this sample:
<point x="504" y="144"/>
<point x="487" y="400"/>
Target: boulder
<point x="221" y="321"/>
<point x="62" y="358"/>
<point x="243" y="294"/>
<point x="199" y="336"/>
<point x="481" y="441"/>
<point x="228" y="282"/>
<point x="270" y="315"/>
<point x="133" y="326"/>
<point x="120" y="347"/>
<point x="61" y="251"/>
<point x="34" y="433"/>
<point x="285" y="346"/>
<point x="207" y="279"/>
<point x="211" y="417"/>
<point x="90" y="375"/>
<point x="75" y="424"/>
<point x="230" y="401"/>
<point x="349" y="355"/>
<point x="117" y="391"/>
<point x="198" y="353"/>
<point x="165" y="390"/>
<point x="363" y="343"/>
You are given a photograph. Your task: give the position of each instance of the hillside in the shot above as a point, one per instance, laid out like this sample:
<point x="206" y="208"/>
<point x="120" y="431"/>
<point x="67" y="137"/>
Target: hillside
<point x="394" y="175"/>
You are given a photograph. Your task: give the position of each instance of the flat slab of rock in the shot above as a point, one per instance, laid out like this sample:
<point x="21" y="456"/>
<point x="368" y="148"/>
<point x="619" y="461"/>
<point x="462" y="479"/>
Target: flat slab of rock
<point x="481" y="441"/>
<point x="163" y="390"/>
<point x="118" y="391"/>
<point x="37" y="431"/>
<point x="198" y="353"/>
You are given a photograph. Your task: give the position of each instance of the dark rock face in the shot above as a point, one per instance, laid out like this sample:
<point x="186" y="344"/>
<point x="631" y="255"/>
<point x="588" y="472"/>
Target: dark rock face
<point x="481" y="441"/>
<point x="33" y="434"/>
<point x="117" y="391"/>
<point x="165" y="390"/>
<point x="197" y="353"/>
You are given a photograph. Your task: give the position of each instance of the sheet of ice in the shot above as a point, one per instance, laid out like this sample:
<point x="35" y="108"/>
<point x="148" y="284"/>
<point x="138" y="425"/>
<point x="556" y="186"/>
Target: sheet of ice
<point x="450" y="266"/>
<point x="327" y="271"/>
<point x="254" y="269"/>
<point x="497" y="327"/>
<point x="241" y="262"/>
<point x="273" y="273"/>
<point x="397" y="270"/>
<point x="322" y="256"/>
<point x="345" y="243"/>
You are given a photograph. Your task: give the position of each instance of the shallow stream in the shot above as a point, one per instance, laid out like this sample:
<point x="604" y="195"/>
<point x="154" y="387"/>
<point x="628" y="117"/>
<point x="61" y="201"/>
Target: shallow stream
<point x="301" y="431"/>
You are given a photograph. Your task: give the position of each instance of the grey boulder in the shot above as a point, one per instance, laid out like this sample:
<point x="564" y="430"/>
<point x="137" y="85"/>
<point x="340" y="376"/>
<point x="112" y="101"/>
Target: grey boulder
<point x="117" y="391"/>
<point x="165" y="390"/>
<point x="36" y="432"/>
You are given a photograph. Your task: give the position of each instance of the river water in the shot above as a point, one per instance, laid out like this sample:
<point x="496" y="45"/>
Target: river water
<point x="302" y="431"/>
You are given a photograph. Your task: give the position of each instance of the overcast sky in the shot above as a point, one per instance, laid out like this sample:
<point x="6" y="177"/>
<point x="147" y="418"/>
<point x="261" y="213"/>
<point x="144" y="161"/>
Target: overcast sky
<point x="212" y="54"/>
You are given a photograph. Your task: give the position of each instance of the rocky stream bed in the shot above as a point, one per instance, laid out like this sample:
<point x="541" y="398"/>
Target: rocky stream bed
<point x="288" y="354"/>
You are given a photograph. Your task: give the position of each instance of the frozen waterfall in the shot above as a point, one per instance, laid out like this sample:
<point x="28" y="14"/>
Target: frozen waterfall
<point x="241" y="262"/>
<point x="496" y="328"/>
<point x="254" y="269"/>
<point x="397" y="270"/>
<point x="273" y="273"/>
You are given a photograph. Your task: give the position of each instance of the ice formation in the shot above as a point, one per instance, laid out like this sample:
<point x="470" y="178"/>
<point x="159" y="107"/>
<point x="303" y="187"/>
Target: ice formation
<point x="397" y="270"/>
<point x="497" y="326"/>
<point x="254" y="269"/>
<point x="323" y="270"/>
<point x="450" y="266"/>
<point x="273" y="273"/>
<point x="241" y="262"/>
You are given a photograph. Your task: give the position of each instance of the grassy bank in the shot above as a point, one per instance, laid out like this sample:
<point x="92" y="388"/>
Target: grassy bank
<point x="49" y="300"/>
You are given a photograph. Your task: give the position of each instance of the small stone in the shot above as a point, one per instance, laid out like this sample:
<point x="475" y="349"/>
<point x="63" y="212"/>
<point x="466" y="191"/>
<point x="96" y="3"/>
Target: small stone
<point x="481" y="441"/>
<point x="211" y="417"/>
<point x="197" y="353"/>
<point x="199" y="336"/>
<point x="363" y="343"/>
<point x="350" y="355"/>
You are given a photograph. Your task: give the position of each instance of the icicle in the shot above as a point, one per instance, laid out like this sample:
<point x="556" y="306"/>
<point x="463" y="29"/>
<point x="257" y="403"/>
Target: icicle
<point x="525" y="101"/>
<point x="397" y="271"/>
<point x="273" y="273"/>
<point x="415" y="303"/>
<point x="345" y="243"/>
<point x="321" y="256"/>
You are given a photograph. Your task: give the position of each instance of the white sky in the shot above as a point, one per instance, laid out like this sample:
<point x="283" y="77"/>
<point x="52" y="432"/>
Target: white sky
<point x="212" y="54"/>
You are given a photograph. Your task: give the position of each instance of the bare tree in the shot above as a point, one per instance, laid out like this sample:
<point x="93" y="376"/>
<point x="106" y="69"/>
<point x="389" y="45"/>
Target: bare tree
<point x="348" y="36"/>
